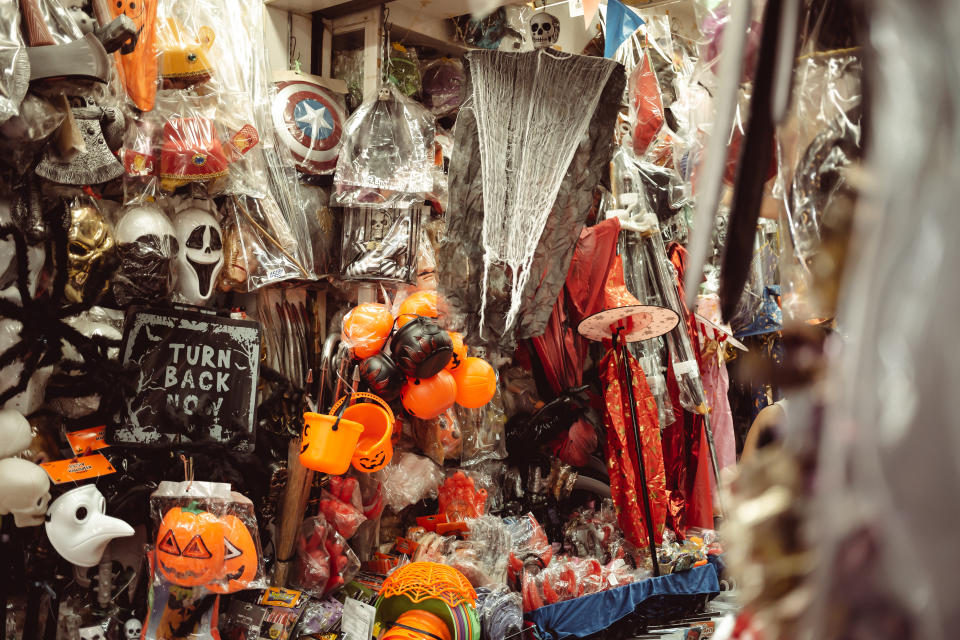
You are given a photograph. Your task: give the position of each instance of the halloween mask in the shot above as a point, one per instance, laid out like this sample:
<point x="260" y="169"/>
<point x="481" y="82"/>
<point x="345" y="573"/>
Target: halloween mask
<point x="201" y="254"/>
<point x="139" y="67"/>
<point x="545" y="29"/>
<point x="89" y="246"/>
<point x="15" y="433"/>
<point x="240" y="558"/>
<point x="183" y="58"/>
<point x="94" y="632"/>
<point x="147" y="247"/>
<point x="190" y="546"/>
<point x="24" y="491"/>
<point x="78" y="527"/>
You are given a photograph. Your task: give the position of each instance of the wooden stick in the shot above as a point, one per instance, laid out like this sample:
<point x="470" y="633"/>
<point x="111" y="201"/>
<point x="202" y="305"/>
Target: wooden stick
<point x="299" y="481"/>
<point x="275" y="242"/>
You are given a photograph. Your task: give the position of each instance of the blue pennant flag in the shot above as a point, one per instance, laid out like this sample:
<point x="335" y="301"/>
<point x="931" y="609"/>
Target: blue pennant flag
<point x="621" y="23"/>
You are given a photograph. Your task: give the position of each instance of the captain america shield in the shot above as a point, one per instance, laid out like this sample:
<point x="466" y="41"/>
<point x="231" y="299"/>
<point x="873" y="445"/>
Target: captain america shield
<point x="309" y="121"/>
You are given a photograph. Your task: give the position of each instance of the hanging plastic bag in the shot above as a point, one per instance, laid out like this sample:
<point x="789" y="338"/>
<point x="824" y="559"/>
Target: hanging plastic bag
<point x="646" y="105"/>
<point x="444" y="86"/>
<point x="387" y="155"/>
<point x="380" y="244"/>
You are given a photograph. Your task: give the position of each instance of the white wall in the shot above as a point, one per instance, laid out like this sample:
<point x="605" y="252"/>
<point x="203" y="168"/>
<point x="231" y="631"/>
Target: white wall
<point x="277" y="35"/>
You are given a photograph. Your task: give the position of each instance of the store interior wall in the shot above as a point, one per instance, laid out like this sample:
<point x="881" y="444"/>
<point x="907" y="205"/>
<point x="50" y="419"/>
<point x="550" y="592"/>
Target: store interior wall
<point x="278" y="34"/>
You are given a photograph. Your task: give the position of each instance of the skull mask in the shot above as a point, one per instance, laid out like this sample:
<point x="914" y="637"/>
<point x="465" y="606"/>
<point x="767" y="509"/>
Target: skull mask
<point x="545" y="29"/>
<point x="24" y="491"/>
<point x="89" y="246"/>
<point x="201" y="256"/>
<point x="95" y="632"/>
<point x="132" y="629"/>
<point x="147" y="246"/>
<point x="378" y="225"/>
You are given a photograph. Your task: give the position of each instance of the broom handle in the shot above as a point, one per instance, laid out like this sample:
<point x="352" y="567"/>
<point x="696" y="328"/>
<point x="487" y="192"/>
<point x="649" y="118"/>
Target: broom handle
<point x="38" y="34"/>
<point x="299" y="481"/>
<point x="101" y="12"/>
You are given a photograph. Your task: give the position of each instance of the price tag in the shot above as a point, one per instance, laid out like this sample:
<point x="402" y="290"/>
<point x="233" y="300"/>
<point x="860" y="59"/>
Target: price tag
<point x="357" y="620"/>
<point x="576" y="8"/>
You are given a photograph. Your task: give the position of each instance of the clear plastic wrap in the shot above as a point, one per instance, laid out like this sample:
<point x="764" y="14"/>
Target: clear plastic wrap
<point x="324" y="560"/>
<point x="147" y="249"/>
<point x="14" y="65"/>
<point x="345" y="517"/>
<point x="259" y="248"/>
<point x="459" y="498"/>
<point x="403" y="69"/>
<point x="444" y="86"/>
<point x="409" y="478"/>
<point x="500" y="611"/>
<point x="380" y="244"/>
<point x="387" y="156"/>
<point x="207" y="536"/>
<point x="324" y="228"/>
<point x="646" y="105"/>
<point x="530" y="550"/>
<point x="483" y="431"/>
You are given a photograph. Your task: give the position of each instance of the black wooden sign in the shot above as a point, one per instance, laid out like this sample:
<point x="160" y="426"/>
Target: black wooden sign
<point x="194" y="369"/>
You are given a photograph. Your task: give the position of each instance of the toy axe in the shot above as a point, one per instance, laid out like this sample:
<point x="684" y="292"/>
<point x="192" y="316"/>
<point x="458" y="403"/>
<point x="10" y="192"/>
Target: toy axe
<point x="84" y="58"/>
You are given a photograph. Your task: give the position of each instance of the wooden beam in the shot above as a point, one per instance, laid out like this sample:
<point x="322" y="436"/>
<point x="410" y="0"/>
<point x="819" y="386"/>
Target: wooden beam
<point x="348" y="7"/>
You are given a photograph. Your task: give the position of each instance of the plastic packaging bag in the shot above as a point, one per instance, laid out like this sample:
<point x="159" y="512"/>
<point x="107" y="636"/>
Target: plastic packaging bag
<point x="380" y="244"/>
<point x="259" y="248"/>
<point x="444" y="86"/>
<point x="147" y="248"/>
<point x="483" y="431"/>
<point x="403" y="68"/>
<point x="345" y="517"/>
<point x="207" y="536"/>
<point x="500" y="612"/>
<point x="14" y="65"/>
<point x="460" y="499"/>
<point x="324" y="560"/>
<point x="387" y="155"/>
<point x="409" y="478"/>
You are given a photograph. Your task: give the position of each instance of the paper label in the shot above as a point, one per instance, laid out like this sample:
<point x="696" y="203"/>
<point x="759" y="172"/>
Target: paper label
<point x="357" y="620"/>
<point x="137" y="164"/>
<point x="76" y="469"/>
<point x="279" y="597"/>
<point x="87" y="440"/>
<point x="576" y="8"/>
<point x="245" y="139"/>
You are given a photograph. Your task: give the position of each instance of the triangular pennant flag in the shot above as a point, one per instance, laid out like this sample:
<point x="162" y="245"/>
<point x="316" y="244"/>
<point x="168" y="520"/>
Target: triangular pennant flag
<point x="621" y="23"/>
<point x="589" y="10"/>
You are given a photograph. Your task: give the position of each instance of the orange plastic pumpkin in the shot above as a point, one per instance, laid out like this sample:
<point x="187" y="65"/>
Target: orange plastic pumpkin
<point x="476" y="383"/>
<point x="419" y="303"/>
<point x="366" y="328"/>
<point x="459" y="351"/>
<point x="190" y="546"/>
<point x="429" y="397"/>
<point x="240" y="558"/>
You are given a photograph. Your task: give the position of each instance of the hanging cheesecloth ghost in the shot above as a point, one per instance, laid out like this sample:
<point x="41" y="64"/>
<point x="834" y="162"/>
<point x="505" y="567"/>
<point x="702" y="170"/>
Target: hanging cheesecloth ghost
<point x="532" y="112"/>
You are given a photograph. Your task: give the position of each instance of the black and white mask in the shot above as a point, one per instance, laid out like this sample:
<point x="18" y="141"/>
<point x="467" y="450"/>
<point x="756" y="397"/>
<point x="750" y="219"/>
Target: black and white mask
<point x="147" y="245"/>
<point x="201" y="254"/>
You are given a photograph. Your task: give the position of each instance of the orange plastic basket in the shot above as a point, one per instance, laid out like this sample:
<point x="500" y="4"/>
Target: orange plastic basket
<point x="420" y="581"/>
<point x="375" y="448"/>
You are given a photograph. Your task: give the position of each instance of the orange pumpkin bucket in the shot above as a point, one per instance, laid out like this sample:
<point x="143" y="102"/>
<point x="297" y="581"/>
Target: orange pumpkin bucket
<point x="329" y="441"/>
<point x="375" y="449"/>
<point x="417" y="624"/>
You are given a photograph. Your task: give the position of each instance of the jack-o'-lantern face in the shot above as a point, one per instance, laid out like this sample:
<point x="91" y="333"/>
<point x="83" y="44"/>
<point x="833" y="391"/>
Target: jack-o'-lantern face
<point x="240" y="559"/>
<point x="133" y="9"/>
<point x="190" y="546"/>
<point x="375" y="462"/>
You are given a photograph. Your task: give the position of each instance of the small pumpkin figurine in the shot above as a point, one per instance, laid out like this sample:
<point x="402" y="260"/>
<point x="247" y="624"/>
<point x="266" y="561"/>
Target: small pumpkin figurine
<point x="190" y="546"/>
<point x="240" y="558"/>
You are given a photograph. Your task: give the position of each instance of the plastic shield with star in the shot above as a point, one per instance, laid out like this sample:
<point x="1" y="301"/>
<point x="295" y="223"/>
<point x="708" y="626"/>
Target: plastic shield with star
<point x="309" y="121"/>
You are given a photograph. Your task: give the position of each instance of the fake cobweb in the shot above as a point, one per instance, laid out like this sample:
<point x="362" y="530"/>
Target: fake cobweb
<point x="532" y="112"/>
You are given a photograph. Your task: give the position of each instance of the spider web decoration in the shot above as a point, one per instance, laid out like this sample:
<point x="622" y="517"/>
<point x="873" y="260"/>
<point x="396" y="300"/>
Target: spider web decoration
<point x="532" y="112"/>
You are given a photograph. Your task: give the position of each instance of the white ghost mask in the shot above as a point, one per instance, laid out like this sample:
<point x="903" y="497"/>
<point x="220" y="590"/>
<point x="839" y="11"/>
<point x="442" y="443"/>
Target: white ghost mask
<point x="95" y="632"/>
<point x="78" y="527"/>
<point x="201" y="254"/>
<point x="24" y="491"/>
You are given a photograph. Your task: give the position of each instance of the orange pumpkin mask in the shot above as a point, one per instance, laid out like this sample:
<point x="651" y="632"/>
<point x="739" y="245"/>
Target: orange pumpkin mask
<point x="240" y="558"/>
<point x="140" y="65"/>
<point x="190" y="546"/>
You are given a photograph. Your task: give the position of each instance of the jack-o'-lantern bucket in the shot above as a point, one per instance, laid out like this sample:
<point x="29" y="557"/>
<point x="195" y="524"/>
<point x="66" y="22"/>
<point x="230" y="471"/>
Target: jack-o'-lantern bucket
<point x="329" y="441"/>
<point x="375" y="449"/>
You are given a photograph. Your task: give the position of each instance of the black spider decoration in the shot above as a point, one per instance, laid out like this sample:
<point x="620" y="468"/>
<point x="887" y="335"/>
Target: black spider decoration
<point x="44" y="332"/>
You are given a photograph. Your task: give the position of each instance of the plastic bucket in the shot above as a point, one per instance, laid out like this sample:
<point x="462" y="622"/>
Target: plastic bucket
<point x="417" y="624"/>
<point x="328" y="442"/>
<point x="375" y="449"/>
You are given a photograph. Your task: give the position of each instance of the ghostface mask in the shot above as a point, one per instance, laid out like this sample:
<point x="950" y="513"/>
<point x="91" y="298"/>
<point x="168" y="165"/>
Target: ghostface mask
<point x="78" y="527"/>
<point x="201" y="254"/>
